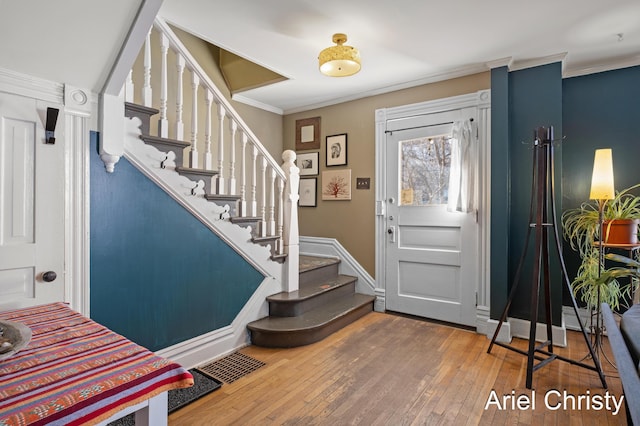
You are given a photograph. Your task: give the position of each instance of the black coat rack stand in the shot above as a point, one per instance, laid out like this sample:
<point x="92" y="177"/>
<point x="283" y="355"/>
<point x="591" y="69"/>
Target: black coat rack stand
<point x="542" y="220"/>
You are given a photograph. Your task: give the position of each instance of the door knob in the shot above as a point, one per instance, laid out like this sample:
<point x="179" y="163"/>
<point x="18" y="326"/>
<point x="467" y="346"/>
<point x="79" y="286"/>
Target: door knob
<point x="49" y="276"/>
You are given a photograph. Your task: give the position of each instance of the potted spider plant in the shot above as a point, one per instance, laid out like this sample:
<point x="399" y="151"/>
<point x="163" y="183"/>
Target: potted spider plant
<point x="581" y="228"/>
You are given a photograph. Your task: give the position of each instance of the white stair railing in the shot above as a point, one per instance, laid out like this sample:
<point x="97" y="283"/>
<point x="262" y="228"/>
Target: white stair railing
<point x="244" y="167"/>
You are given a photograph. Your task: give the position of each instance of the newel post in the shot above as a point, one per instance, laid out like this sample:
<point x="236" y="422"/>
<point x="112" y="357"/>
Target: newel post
<point x="290" y="230"/>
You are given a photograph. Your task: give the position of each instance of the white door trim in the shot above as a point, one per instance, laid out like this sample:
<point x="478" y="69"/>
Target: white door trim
<point x="383" y="117"/>
<point x="78" y="113"/>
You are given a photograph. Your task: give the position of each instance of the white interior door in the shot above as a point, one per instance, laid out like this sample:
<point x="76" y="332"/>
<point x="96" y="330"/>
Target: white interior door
<point x="432" y="266"/>
<point x="31" y="206"/>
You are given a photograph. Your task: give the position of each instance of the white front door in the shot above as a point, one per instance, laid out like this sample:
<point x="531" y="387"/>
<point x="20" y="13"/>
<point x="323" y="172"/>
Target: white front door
<point x="31" y="206"/>
<point x="432" y="265"/>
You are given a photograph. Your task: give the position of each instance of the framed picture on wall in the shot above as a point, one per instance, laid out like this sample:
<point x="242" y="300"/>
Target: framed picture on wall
<point x="308" y="163"/>
<point x="308" y="134"/>
<point x="336" y="185"/>
<point x="308" y="192"/>
<point x="337" y="150"/>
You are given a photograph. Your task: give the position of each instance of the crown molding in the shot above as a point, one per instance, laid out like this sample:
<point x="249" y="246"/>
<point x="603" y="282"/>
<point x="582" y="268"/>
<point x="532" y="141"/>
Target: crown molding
<point x="603" y="67"/>
<point x="256" y="104"/>
<point x="498" y="63"/>
<point x="536" y="62"/>
<point x="30" y="86"/>
<point x="433" y="78"/>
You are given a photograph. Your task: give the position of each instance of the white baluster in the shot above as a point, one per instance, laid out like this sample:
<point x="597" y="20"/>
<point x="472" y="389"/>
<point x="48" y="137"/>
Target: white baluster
<point x="146" y="88"/>
<point x="232" y="157"/>
<point x="208" y="161"/>
<point x="280" y="242"/>
<point x="290" y="229"/>
<point x="254" y="179"/>
<point x="271" y="222"/>
<point x="179" y="97"/>
<point x="163" y="123"/>
<point x="193" y="155"/>
<point x="263" y="197"/>
<point x="128" y="87"/>
<point x="220" y="180"/>
<point x="243" y="177"/>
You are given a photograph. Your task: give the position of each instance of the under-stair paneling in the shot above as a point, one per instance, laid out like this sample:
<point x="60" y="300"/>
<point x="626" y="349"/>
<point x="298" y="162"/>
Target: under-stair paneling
<point x="158" y="275"/>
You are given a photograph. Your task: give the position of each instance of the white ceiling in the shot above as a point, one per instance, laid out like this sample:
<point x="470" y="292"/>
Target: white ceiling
<point x="404" y="43"/>
<point x="68" y="41"/>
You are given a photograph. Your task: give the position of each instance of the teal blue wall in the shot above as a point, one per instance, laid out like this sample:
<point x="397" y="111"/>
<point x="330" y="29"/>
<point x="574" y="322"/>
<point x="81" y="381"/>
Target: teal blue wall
<point x="500" y="190"/>
<point x="158" y="275"/>
<point x="599" y="111"/>
<point x="524" y="100"/>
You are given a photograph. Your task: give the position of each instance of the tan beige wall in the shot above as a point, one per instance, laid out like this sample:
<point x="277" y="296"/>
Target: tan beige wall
<point x="352" y="222"/>
<point x="267" y="126"/>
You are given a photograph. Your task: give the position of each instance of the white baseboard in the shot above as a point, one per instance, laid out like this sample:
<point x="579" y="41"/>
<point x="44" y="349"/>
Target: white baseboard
<point x="482" y="319"/>
<point x="516" y="327"/>
<point x="571" y="321"/>
<point x="520" y="328"/>
<point x="505" y="331"/>
<point x="218" y="343"/>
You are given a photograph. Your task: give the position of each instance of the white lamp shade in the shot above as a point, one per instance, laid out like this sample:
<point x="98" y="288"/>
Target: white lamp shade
<point x="602" y="179"/>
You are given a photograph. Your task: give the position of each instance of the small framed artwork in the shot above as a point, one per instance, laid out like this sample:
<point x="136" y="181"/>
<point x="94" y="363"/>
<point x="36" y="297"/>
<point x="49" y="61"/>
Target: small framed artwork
<point x="308" y="192"/>
<point x="308" y="163"/>
<point x="308" y="134"/>
<point x="337" y="150"/>
<point x="336" y="184"/>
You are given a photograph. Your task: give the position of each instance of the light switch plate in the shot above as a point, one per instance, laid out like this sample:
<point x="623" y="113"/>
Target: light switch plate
<point x="363" y="183"/>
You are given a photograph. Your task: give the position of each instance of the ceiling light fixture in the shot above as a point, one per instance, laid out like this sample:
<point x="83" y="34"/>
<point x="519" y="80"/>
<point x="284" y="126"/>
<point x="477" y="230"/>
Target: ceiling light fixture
<point x="340" y="60"/>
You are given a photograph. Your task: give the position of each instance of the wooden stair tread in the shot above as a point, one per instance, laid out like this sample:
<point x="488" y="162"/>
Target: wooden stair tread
<point x="249" y="219"/>
<point x="156" y="140"/>
<point x="314" y="319"/>
<point x="221" y="197"/>
<point x="259" y="240"/>
<point x="279" y="257"/>
<point x="130" y="106"/>
<point x="311" y="291"/>
<point x="309" y="263"/>
<point x="196" y="172"/>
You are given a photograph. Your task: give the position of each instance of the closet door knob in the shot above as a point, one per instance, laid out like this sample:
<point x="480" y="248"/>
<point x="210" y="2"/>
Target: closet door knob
<point x="49" y="276"/>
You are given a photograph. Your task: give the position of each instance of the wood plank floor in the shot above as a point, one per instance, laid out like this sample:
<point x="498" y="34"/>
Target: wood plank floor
<point x="387" y="369"/>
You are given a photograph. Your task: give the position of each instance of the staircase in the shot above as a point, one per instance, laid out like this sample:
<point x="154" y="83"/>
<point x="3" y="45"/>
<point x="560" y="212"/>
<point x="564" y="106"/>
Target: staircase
<point x="227" y="179"/>
<point x="230" y="202"/>
<point x="325" y="302"/>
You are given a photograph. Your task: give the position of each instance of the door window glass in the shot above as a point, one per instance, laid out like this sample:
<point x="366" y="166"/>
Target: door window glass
<point x="424" y="171"/>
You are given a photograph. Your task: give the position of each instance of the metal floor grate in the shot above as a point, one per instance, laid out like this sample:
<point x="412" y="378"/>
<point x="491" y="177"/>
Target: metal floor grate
<point x="232" y="367"/>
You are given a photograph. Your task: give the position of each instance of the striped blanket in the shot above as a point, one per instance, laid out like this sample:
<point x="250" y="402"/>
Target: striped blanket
<point x="76" y="372"/>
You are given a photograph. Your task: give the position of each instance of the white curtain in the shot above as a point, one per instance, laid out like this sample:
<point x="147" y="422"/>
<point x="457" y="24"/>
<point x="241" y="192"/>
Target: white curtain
<point x="462" y="172"/>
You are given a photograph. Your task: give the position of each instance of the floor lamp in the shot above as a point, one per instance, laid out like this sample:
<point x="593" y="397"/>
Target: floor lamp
<point x="602" y="189"/>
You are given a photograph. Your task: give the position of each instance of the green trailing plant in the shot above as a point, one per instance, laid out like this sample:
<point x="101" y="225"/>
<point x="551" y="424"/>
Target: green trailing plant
<point x="581" y="229"/>
<point x="588" y="283"/>
<point x="580" y="226"/>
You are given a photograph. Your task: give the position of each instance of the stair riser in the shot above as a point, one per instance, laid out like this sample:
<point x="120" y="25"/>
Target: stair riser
<point x="295" y="308"/>
<point x="144" y="114"/>
<point x="324" y="273"/>
<point x="207" y="180"/>
<point x="179" y="152"/>
<point x="233" y="205"/>
<point x="305" y="337"/>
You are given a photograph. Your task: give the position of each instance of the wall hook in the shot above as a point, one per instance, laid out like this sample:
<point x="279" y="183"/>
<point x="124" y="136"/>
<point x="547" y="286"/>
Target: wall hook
<point x="50" y="127"/>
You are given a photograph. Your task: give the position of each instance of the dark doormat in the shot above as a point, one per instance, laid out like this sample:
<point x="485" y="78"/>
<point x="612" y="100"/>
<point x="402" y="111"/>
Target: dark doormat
<point x="203" y="384"/>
